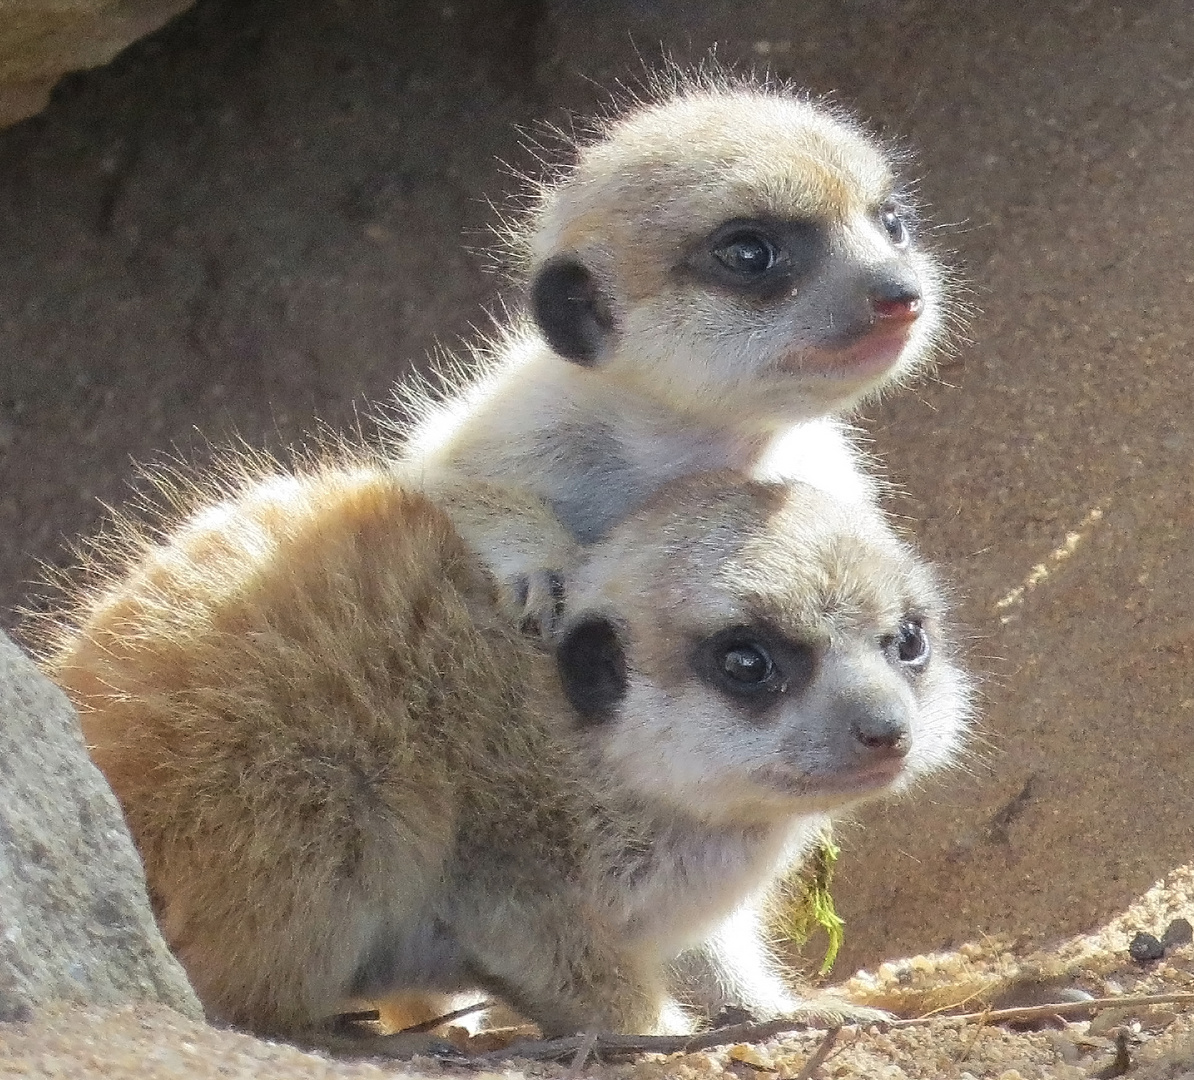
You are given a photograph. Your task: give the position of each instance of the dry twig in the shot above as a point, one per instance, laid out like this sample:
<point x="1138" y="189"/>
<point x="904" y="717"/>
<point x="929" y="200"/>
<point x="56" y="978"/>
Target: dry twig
<point x="447" y="1018"/>
<point x="820" y="1054"/>
<point x="1064" y="1009"/>
<point x="620" y="1045"/>
<point x="580" y="1047"/>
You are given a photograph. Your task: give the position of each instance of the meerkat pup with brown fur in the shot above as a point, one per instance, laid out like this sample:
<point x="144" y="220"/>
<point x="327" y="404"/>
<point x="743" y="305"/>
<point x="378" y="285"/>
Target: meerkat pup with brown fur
<point x="349" y="777"/>
<point x="725" y="269"/>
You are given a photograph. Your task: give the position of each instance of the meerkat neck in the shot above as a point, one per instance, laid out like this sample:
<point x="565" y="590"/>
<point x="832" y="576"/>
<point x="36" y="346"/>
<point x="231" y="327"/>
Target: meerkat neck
<point x="591" y="445"/>
<point x="692" y="874"/>
<point x="746" y="429"/>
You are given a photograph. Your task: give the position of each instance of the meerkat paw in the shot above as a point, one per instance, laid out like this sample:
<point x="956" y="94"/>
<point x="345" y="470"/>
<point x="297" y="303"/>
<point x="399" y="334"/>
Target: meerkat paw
<point x="827" y="1009"/>
<point x="674" y="1019"/>
<point x="535" y="602"/>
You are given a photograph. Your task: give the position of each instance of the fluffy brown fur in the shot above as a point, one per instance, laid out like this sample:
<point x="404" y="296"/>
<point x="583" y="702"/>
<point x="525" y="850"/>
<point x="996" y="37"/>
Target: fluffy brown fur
<point x="350" y="779"/>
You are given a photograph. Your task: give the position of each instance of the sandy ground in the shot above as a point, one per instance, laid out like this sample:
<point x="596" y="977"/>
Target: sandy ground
<point x="260" y="216"/>
<point x="1148" y="1041"/>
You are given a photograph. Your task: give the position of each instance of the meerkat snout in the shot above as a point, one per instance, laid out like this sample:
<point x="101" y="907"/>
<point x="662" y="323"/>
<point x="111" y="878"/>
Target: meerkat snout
<point x="896" y="299"/>
<point x="881" y="728"/>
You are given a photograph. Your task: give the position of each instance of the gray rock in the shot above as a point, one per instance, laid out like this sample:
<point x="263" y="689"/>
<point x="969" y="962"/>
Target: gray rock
<point x="75" y="921"/>
<point x="41" y="40"/>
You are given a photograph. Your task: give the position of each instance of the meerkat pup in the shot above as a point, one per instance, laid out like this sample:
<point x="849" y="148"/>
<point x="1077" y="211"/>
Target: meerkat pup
<point x="724" y="270"/>
<point x="350" y="777"/>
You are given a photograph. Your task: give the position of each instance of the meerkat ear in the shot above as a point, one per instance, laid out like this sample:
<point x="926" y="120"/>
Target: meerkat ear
<point x="592" y="667"/>
<point x="571" y="310"/>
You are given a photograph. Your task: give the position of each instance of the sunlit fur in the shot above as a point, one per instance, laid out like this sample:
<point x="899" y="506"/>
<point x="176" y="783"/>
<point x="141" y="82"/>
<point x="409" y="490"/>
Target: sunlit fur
<point x="349" y="778"/>
<point x="822" y="572"/>
<point x="693" y="377"/>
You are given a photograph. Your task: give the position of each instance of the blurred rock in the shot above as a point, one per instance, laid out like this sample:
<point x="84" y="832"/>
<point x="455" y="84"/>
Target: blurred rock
<point x="75" y="922"/>
<point x="41" y="40"/>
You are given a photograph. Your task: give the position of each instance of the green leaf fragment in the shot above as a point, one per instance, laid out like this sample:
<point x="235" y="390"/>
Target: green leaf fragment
<point x="810" y="905"/>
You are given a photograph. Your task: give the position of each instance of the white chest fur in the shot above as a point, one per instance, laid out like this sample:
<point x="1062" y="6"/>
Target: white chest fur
<point x="697" y="875"/>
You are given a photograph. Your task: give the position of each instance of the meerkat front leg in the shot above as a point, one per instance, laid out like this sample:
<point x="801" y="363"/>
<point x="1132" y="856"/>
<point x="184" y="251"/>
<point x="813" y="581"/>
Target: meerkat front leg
<point x="736" y="966"/>
<point x="559" y="965"/>
<point x="522" y="542"/>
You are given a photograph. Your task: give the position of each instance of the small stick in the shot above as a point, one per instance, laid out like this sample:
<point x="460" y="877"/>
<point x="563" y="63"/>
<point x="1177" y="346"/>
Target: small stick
<point x="821" y="1053"/>
<point x="1041" y="1012"/>
<point x="447" y="1018"/>
<point x="582" y="1055"/>
<point x="364" y="1016"/>
<point x="550" y="1049"/>
<point x="553" y="1049"/>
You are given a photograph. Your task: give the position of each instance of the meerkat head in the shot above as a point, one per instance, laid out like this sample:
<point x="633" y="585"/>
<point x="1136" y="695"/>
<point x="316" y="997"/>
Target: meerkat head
<point x="746" y="651"/>
<point x="737" y="248"/>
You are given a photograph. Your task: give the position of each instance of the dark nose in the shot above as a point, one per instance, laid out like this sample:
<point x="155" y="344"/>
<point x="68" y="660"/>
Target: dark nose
<point x="895" y="298"/>
<point x="880" y="728"/>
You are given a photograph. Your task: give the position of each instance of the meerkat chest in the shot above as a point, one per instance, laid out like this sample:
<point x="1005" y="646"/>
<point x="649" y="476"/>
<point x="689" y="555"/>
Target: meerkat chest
<point x="818" y="452"/>
<point x="692" y="878"/>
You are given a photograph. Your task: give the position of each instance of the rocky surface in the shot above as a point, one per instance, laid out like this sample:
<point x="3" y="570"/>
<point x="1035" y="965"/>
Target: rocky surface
<point x="40" y="40"/>
<point x="75" y="923"/>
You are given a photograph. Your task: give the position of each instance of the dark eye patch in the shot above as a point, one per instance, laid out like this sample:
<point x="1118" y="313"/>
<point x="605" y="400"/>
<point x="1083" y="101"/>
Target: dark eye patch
<point x="754" y="664"/>
<point x="758" y="257"/>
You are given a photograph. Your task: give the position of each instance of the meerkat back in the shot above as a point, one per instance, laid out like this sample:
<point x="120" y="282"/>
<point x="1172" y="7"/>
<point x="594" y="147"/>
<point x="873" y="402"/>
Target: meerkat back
<point x="265" y="686"/>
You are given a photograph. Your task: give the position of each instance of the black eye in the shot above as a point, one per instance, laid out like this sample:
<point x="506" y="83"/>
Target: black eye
<point x="754" y="665"/>
<point x="910" y="645"/>
<point x="893" y="224"/>
<point x="749" y="664"/>
<point x="748" y="253"/>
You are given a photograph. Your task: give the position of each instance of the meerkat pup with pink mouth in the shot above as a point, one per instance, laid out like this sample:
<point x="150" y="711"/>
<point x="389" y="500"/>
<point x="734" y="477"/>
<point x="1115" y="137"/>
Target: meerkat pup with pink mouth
<point x="722" y="272"/>
<point x="349" y="777"/>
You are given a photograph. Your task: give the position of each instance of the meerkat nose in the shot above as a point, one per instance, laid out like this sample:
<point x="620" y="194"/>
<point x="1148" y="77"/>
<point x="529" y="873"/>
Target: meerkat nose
<point x="880" y="728"/>
<point x="896" y="300"/>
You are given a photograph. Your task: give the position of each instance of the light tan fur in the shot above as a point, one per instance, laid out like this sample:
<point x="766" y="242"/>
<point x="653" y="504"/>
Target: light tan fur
<point x="350" y="779"/>
<point x="690" y="373"/>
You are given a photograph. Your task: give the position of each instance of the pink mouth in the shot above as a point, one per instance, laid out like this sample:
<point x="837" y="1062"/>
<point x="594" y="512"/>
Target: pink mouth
<point x="847" y="784"/>
<point x="859" y="781"/>
<point x="872" y="355"/>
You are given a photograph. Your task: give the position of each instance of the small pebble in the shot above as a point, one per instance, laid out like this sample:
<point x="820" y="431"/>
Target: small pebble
<point x="1178" y="932"/>
<point x="1145" y="947"/>
<point x="733" y="1014"/>
<point x="1107" y="1021"/>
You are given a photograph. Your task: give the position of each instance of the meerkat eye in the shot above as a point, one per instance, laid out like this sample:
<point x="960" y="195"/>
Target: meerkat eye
<point x="748" y="663"/>
<point x="755" y="665"/>
<point x="893" y="224"/>
<point x="747" y="253"/>
<point x="909" y="646"/>
<point x="737" y="662"/>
